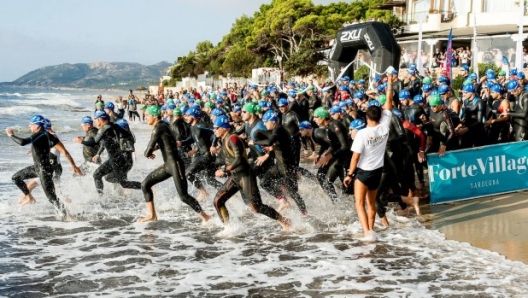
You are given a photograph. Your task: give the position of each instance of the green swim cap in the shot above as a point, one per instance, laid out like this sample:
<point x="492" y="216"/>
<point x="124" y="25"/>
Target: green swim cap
<point x="258" y="109"/>
<point x="382" y="99"/>
<point x="427" y="80"/>
<point x="154" y="111"/>
<point x="198" y="102"/>
<point x="177" y="112"/>
<point x="99" y="104"/>
<point x="250" y="108"/>
<point x="321" y="112"/>
<point x="170" y="100"/>
<point x="434" y="100"/>
<point x="254" y="101"/>
<point x="142" y="107"/>
<point x="209" y="104"/>
<point x="468" y="82"/>
<point x="502" y="73"/>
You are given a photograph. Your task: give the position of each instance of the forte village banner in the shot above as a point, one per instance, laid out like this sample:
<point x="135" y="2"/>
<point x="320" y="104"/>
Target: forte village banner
<point x="478" y="172"/>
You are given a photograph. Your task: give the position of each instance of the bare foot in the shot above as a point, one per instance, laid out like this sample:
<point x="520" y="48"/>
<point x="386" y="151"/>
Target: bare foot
<point x="285" y="223"/>
<point x="416" y="205"/>
<point x="202" y="196"/>
<point x="385" y="221"/>
<point x="148" y="218"/>
<point x="283" y="205"/>
<point x="28" y="199"/>
<point x="204" y="216"/>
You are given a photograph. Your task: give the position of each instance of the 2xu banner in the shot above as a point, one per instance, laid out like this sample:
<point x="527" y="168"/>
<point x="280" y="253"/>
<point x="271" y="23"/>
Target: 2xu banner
<point x="478" y="172"/>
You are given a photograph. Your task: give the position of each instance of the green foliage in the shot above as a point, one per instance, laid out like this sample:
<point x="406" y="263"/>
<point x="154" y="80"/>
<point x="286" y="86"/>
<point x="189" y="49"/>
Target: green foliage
<point x="483" y="67"/>
<point x="292" y="29"/>
<point x="362" y="72"/>
<point x="457" y="84"/>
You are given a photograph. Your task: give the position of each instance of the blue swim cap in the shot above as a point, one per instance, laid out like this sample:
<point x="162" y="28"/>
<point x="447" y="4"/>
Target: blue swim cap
<point x="282" y="102"/>
<point x="101" y="114"/>
<point x="381" y="87"/>
<point x="374" y="103"/>
<point x="468" y="88"/>
<point x="361" y="82"/>
<point x="349" y="102"/>
<point x="359" y="95"/>
<point x="335" y="110"/>
<point x="109" y="106"/>
<point x="219" y="101"/>
<point x="345" y="78"/>
<point x="443" y="89"/>
<point x="496" y="88"/>
<point x="87" y="120"/>
<point x="473" y="76"/>
<point x="342" y="104"/>
<point x="491" y="76"/>
<point x="270" y="115"/>
<point x="427" y="88"/>
<point x="305" y="125"/>
<point x="465" y="67"/>
<point x="184" y="109"/>
<point x="442" y="79"/>
<point x="123" y="123"/>
<point x="47" y="124"/>
<point x="358" y="124"/>
<point x="194" y="112"/>
<point x="171" y="106"/>
<point x="513" y="72"/>
<point x="222" y="121"/>
<point x="512" y="85"/>
<point x="224" y="93"/>
<point x="237" y="108"/>
<point x="418" y="99"/>
<point x="38" y="120"/>
<point x="163" y="107"/>
<point x="520" y="75"/>
<point x="217" y="112"/>
<point x="404" y="94"/>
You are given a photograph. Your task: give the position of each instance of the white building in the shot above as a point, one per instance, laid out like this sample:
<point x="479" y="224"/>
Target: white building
<point x="497" y="23"/>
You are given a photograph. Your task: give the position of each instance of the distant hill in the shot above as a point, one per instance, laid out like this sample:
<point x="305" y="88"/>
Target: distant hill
<point x="98" y="75"/>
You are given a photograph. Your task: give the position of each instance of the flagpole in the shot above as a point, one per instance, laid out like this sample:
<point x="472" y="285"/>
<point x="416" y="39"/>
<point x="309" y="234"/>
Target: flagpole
<point x="419" y="62"/>
<point x="474" y="50"/>
<point x="519" y="49"/>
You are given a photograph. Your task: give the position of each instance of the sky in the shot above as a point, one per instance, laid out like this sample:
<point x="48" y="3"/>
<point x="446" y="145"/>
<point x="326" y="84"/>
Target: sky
<point x="36" y="33"/>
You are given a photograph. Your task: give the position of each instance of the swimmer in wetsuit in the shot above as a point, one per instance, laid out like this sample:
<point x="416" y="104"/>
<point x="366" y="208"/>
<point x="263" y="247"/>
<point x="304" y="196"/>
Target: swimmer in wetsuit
<point x="109" y="133"/>
<point x="89" y="152"/>
<point x="239" y="176"/>
<point x="283" y="172"/>
<point x="41" y="142"/>
<point x="519" y="114"/>
<point x="163" y="139"/>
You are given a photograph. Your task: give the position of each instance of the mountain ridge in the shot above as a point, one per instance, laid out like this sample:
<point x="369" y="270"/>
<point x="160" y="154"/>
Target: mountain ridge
<point x="93" y="75"/>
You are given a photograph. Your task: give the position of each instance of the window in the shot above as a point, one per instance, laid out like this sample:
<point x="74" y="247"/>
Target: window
<point x="499" y="6"/>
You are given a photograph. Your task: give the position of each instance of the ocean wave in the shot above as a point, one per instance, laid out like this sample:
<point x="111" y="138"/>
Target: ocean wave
<point x="19" y="110"/>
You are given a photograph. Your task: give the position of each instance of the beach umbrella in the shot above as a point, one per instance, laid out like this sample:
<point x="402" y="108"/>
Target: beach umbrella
<point x="141" y="88"/>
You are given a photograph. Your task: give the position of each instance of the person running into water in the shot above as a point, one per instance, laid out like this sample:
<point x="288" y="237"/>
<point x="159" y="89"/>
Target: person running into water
<point x="163" y="139"/>
<point x="41" y="142"/>
<point x="89" y="152"/>
<point x="240" y="176"/>
<point x="368" y="152"/>
<point x="116" y="164"/>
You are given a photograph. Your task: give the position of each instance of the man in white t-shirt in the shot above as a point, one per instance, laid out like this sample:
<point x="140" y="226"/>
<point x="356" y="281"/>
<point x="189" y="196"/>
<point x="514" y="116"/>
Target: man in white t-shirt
<point x="368" y="151"/>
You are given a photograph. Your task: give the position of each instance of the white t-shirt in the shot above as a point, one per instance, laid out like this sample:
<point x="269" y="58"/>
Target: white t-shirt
<point x="370" y="142"/>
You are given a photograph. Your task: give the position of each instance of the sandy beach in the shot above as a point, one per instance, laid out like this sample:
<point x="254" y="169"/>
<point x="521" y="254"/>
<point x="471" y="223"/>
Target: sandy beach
<point x="497" y="223"/>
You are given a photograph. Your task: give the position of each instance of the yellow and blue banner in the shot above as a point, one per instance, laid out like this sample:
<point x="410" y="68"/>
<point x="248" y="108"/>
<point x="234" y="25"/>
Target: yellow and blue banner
<point x="478" y="172"/>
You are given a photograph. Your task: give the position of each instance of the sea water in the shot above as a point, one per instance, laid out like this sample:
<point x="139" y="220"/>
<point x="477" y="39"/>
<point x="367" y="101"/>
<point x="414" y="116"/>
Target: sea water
<point x="104" y="252"/>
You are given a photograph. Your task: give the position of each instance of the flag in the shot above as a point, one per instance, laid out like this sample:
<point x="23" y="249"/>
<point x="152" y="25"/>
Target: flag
<point x="419" y="62"/>
<point x="505" y="65"/>
<point x="449" y="55"/>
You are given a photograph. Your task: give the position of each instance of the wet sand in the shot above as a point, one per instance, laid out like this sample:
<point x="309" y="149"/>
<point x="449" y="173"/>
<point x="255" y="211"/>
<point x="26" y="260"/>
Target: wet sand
<point x="497" y="223"/>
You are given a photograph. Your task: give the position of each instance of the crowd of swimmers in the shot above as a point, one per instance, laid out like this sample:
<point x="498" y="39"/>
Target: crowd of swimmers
<point x="252" y="139"/>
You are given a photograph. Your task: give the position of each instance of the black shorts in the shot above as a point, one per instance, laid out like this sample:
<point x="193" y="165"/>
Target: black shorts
<point x="370" y="178"/>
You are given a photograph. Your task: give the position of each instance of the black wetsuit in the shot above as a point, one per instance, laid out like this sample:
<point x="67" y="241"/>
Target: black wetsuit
<point x="412" y="113"/>
<point x="201" y="136"/>
<point x="415" y="87"/>
<point x="333" y="136"/>
<point x="172" y="166"/>
<point x="240" y="177"/>
<point x="442" y="131"/>
<point x="519" y="117"/>
<point x="283" y="172"/>
<point x="182" y="131"/>
<point x="117" y="163"/>
<point x="90" y="152"/>
<point x="473" y="115"/>
<point x="498" y="132"/>
<point x="41" y="143"/>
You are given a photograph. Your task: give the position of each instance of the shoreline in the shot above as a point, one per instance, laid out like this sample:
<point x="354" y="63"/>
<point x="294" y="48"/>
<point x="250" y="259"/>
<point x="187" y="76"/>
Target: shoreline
<point x="495" y="223"/>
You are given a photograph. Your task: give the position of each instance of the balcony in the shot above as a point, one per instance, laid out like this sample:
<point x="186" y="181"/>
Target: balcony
<point x="444" y="16"/>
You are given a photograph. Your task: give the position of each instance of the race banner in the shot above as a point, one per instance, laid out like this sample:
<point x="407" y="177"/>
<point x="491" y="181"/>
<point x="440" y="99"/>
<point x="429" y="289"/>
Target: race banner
<point x="478" y="172"/>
